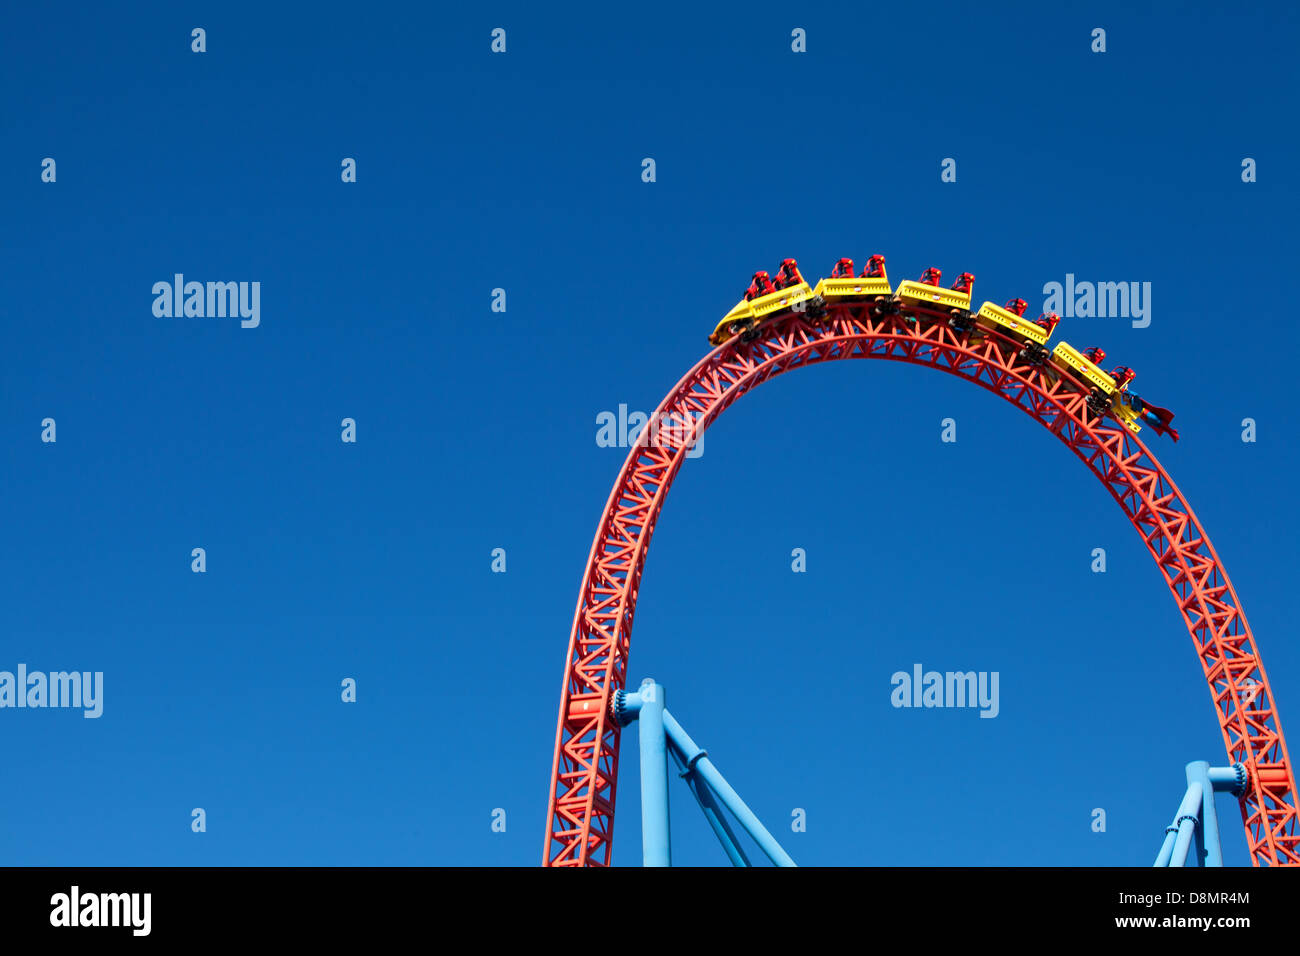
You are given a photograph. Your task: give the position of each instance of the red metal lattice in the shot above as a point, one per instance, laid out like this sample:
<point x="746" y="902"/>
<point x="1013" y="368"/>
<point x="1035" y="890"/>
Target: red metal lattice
<point x="580" y="816"/>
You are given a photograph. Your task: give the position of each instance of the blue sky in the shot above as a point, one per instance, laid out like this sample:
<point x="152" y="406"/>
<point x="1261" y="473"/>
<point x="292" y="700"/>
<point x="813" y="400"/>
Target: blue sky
<point x="476" y="430"/>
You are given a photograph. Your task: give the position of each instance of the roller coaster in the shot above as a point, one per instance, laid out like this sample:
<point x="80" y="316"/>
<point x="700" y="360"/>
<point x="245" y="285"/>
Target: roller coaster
<point x="926" y="300"/>
<point x="785" y="323"/>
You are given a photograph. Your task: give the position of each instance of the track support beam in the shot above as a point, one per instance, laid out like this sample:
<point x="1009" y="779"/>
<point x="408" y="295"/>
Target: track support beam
<point x="659" y="734"/>
<point x="1193" y="837"/>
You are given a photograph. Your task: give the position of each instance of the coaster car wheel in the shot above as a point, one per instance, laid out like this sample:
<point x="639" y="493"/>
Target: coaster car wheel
<point x="1033" y="354"/>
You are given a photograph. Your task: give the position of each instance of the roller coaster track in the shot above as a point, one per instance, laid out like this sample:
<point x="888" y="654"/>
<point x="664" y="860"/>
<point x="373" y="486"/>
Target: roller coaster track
<point x="584" y="777"/>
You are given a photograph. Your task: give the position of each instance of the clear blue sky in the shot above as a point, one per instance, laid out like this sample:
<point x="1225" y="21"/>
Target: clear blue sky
<point x="476" y="430"/>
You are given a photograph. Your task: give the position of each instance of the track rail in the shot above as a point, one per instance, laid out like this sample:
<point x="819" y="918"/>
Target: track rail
<point x="584" y="777"/>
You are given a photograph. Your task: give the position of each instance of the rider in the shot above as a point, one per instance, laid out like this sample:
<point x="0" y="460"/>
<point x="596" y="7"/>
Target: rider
<point x="788" y="275"/>
<point x="1122" y="375"/>
<point x="761" y="285"/>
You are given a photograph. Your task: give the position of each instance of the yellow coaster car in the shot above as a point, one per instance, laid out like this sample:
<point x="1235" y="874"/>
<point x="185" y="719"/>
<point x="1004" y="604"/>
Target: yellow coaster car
<point x="928" y="294"/>
<point x="999" y="319"/>
<point x="788" y="290"/>
<point x="764" y="300"/>
<point x="782" y="300"/>
<point x="737" y="320"/>
<point x="842" y="286"/>
<point x="1126" y="416"/>
<point x="1067" y="357"/>
<point x="1106" y="396"/>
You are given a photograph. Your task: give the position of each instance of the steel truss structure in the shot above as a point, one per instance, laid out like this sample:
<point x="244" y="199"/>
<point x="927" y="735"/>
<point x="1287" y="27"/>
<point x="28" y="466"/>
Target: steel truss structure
<point x="580" y="814"/>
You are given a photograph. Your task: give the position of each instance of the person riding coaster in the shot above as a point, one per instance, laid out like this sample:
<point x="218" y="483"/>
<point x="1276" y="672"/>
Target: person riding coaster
<point x="787" y="276"/>
<point x="1122" y="375"/>
<point x="960" y="318"/>
<point x="761" y="285"/>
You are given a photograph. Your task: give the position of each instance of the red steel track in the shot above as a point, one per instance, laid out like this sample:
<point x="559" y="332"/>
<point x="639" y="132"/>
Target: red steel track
<point x="580" y="815"/>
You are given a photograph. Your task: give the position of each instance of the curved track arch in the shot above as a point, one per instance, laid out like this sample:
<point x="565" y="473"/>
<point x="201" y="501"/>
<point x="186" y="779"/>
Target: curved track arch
<point x="584" y="776"/>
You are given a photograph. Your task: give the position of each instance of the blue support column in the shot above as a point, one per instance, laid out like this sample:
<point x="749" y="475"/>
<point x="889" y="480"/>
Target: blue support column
<point x="1195" y="830"/>
<point x="659" y="735"/>
<point x="1218" y="780"/>
<point x="1208" y="850"/>
<point x="656" y="847"/>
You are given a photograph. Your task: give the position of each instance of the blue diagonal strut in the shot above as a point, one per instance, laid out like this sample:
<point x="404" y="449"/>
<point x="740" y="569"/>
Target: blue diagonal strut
<point x="659" y="732"/>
